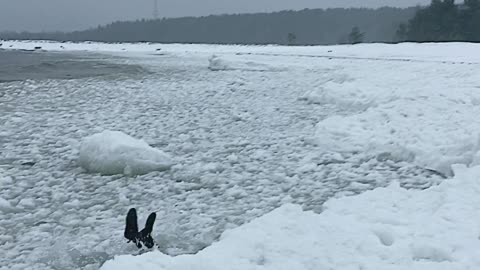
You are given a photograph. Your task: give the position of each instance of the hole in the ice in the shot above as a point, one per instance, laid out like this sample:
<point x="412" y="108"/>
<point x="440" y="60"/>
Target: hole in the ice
<point x="385" y="238"/>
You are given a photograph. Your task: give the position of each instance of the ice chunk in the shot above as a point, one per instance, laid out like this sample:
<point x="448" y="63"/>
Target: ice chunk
<point x="5" y="180"/>
<point x="27" y="203"/>
<point x="5" y="205"/>
<point x="114" y="152"/>
<point x="217" y="63"/>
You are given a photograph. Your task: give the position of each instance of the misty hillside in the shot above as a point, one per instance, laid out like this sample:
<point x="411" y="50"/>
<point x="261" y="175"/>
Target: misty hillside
<point x="309" y="26"/>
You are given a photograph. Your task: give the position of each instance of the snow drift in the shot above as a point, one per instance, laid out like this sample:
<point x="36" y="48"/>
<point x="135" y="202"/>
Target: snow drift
<point x="426" y="115"/>
<point x="388" y="228"/>
<point x="114" y="152"/>
<point x="414" y="131"/>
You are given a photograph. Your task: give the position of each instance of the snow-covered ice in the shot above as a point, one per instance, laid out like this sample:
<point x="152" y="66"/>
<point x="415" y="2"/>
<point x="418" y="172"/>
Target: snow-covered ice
<point x="388" y="228"/>
<point x="442" y="53"/>
<point x="217" y="63"/>
<point x="305" y="125"/>
<point x="114" y="152"/>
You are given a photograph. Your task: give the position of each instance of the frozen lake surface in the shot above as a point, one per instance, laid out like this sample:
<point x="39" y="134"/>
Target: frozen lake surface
<point x="242" y="128"/>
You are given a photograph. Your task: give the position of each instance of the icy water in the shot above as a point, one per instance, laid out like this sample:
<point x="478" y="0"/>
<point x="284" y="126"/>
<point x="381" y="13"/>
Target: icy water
<point x="241" y="139"/>
<point x="35" y="65"/>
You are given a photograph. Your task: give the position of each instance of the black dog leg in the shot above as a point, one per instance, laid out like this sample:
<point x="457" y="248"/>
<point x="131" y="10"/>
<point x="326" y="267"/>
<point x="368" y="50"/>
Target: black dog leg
<point x="146" y="233"/>
<point x="144" y="236"/>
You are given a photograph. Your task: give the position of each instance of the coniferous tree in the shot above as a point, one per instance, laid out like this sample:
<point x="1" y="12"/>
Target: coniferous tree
<point x="311" y="26"/>
<point x="292" y="38"/>
<point x="445" y="21"/>
<point x="402" y="33"/>
<point x="355" y="36"/>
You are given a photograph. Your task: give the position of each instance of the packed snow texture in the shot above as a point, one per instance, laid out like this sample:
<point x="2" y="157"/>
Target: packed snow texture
<point x="217" y="63"/>
<point x="245" y="142"/>
<point x="416" y="117"/>
<point x="114" y="152"/>
<point x="388" y="228"/>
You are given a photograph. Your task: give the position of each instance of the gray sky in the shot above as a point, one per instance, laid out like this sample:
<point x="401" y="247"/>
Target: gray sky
<point x="48" y="15"/>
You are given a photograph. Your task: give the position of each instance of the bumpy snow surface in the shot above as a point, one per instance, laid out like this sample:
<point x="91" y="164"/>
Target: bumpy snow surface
<point x="389" y="228"/>
<point x="114" y="152"/>
<point x="248" y="130"/>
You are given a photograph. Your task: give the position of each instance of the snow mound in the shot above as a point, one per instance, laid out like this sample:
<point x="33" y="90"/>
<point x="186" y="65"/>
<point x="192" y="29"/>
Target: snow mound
<point x="217" y="63"/>
<point x="388" y="228"/>
<point x="426" y="115"/>
<point x="114" y="152"/>
<point x="409" y="130"/>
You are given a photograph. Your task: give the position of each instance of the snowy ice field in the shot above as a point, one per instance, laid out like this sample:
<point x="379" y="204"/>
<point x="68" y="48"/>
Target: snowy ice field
<point x="258" y="139"/>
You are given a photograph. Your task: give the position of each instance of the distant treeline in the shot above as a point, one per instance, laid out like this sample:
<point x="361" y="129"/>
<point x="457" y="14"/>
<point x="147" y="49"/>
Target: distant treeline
<point x="305" y="27"/>
<point x="444" y="20"/>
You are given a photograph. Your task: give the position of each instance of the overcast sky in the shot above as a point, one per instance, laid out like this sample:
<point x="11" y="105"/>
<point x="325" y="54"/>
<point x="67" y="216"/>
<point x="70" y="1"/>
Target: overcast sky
<point x="48" y="15"/>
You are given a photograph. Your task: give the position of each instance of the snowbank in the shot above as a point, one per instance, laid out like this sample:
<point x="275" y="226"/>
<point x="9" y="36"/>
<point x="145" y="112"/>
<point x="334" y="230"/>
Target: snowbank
<point x="424" y="113"/>
<point x="387" y="228"/>
<point x="416" y="131"/>
<point x="114" y="152"/>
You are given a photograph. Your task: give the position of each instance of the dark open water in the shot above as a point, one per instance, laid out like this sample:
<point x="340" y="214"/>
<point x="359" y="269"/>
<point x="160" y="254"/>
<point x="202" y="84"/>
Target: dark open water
<point x="35" y="65"/>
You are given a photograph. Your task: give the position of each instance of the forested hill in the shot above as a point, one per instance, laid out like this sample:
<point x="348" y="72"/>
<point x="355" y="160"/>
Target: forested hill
<point x="444" y="20"/>
<point x="309" y="26"/>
